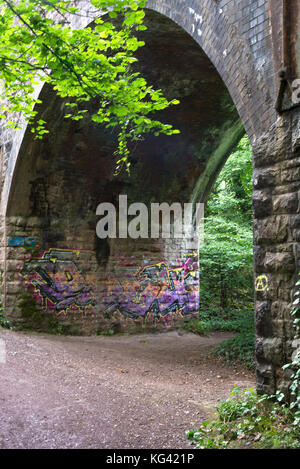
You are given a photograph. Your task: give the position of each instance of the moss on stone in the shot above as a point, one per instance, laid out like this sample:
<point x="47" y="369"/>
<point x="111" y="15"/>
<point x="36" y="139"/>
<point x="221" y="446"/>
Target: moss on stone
<point x="34" y="319"/>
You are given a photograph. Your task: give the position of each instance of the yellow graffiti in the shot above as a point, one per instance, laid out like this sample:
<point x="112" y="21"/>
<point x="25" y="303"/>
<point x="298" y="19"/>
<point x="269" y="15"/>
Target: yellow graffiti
<point x="177" y="270"/>
<point x="137" y="299"/>
<point x="261" y="283"/>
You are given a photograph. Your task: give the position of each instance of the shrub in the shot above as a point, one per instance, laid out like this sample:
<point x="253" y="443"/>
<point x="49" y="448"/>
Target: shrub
<point x="247" y="420"/>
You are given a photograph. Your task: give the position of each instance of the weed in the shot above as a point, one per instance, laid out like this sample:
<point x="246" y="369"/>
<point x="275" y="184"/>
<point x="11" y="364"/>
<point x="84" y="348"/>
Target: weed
<point x="248" y="420"/>
<point x="239" y="348"/>
<point x="4" y="322"/>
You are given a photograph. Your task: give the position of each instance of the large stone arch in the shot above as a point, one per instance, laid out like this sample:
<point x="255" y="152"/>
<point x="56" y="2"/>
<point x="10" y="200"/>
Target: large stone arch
<point x="228" y="50"/>
<point x="58" y="183"/>
<point x="234" y="54"/>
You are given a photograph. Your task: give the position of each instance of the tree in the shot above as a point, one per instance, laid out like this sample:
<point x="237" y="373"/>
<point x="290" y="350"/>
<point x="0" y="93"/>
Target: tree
<point x="39" y="45"/>
<point x="226" y="257"/>
<point x="233" y="189"/>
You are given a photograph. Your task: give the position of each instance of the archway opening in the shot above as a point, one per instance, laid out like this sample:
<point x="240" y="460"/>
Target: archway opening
<point x="226" y="261"/>
<point x="87" y="283"/>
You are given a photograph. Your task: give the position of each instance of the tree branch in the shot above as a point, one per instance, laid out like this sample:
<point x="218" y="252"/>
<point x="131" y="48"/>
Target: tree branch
<point x="69" y="66"/>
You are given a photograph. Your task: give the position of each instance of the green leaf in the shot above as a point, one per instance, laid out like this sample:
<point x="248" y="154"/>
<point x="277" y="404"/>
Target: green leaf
<point x="80" y="65"/>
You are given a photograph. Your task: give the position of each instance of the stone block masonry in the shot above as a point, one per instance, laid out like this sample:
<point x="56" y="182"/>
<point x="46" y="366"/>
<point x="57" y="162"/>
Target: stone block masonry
<point x="222" y="59"/>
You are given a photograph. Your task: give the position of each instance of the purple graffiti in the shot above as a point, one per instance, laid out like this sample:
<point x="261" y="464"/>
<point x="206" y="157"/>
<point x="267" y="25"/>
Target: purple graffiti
<point x="158" y="290"/>
<point x="57" y="278"/>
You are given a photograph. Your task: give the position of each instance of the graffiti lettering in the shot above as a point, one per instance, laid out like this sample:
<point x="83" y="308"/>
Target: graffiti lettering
<point x="57" y="278"/>
<point x="159" y="290"/>
<point x="154" y="291"/>
<point x="21" y="241"/>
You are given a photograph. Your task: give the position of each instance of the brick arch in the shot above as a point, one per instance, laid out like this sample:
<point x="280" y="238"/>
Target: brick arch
<point x="227" y="41"/>
<point x="59" y="181"/>
<point x="227" y="49"/>
<point x="230" y="53"/>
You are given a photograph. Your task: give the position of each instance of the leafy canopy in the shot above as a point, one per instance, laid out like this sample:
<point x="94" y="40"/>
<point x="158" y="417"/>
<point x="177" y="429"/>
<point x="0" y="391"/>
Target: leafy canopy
<point x="39" y="43"/>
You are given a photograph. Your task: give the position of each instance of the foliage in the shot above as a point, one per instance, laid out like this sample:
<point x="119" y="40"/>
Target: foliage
<point x="226" y="260"/>
<point x="218" y="320"/>
<point x="37" y="320"/>
<point x="226" y="257"/>
<point x="295" y="364"/>
<point x="39" y="44"/>
<point x="4" y="322"/>
<point x="235" y="182"/>
<point x="239" y="348"/>
<point x="106" y="332"/>
<point x="244" y="419"/>
<point x="247" y="420"/>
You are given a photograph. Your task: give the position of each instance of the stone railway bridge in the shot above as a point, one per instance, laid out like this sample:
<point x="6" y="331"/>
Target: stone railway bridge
<point x="231" y="63"/>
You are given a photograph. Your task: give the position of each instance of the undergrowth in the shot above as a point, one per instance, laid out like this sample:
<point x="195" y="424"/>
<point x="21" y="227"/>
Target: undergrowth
<point x="246" y="420"/>
<point x="4" y="322"/>
<point x="239" y="348"/>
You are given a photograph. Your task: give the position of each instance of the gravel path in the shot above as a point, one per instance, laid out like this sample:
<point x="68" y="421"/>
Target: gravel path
<point x="138" y="391"/>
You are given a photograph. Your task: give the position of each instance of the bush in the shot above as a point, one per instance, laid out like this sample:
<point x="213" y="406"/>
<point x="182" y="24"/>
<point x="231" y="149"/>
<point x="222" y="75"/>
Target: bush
<point x="247" y="420"/>
<point x="239" y="348"/>
<point x="226" y="260"/>
<point x="226" y="257"/>
<point x="4" y="322"/>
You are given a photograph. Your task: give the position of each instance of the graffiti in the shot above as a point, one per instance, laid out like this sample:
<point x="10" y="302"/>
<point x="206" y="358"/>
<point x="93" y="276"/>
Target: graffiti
<point x="158" y="290"/>
<point x="197" y="21"/>
<point x="261" y="283"/>
<point x="62" y="282"/>
<point x="21" y="241"/>
<point x="57" y="279"/>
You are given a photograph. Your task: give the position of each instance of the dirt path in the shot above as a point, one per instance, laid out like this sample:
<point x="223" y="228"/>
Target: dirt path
<point x="139" y="391"/>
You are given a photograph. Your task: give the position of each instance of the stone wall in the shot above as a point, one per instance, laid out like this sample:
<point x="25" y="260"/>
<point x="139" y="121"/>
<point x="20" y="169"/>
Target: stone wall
<point x="276" y="251"/>
<point x="86" y="283"/>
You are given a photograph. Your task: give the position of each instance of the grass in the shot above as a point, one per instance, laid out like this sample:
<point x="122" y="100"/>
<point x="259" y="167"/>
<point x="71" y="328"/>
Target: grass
<point x="246" y="420"/>
<point x="106" y="332"/>
<point x="4" y="322"/>
<point x="239" y="348"/>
